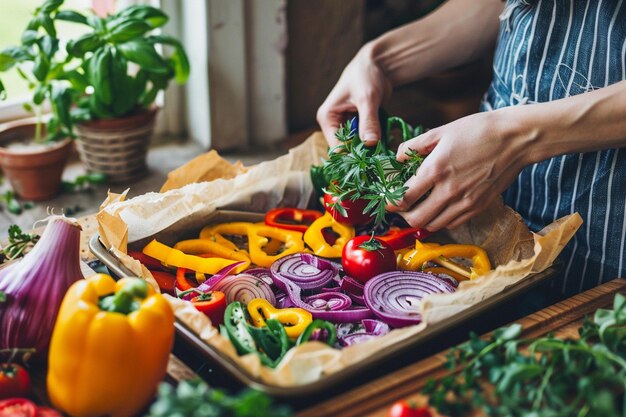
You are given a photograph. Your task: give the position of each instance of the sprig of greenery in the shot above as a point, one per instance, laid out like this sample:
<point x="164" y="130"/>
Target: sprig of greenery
<point x="194" y="398"/>
<point x="356" y="171"/>
<point x="18" y="242"/>
<point x="84" y="183"/>
<point x="545" y="377"/>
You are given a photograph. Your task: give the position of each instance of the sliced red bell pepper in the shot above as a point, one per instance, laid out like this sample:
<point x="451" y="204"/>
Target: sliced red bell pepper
<point x="148" y="261"/>
<point x="166" y="281"/>
<point x="212" y="304"/>
<point x="402" y="238"/>
<point x="182" y="282"/>
<point x="291" y="218"/>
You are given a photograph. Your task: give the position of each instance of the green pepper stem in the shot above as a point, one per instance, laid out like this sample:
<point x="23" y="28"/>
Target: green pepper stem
<point x="124" y="300"/>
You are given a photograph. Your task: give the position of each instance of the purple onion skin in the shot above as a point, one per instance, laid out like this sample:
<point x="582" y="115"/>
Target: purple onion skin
<point x="36" y="285"/>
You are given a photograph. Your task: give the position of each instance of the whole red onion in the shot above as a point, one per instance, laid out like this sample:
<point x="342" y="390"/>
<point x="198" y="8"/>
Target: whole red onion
<point x="35" y="286"/>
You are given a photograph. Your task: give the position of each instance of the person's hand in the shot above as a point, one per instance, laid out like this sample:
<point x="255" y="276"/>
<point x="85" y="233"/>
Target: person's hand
<point x="470" y="162"/>
<point x="361" y="89"/>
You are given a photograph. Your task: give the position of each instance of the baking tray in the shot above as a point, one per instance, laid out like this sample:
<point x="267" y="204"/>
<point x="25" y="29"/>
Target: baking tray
<point x="326" y="382"/>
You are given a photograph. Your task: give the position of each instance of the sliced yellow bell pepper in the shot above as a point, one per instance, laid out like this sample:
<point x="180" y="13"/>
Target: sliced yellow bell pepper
<point x="177" y="258"/>
<point x="440" y="254"/>
<point x="295" y="320"/>
<point x="110" y="347"/>
<point x="263" y="240"/>
<point x="314" y="236"/>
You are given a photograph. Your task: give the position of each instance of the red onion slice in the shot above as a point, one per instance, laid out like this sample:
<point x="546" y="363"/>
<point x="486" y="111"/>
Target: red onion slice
<point x="244" y="288"/>
<point x="262" y="273"/>
<point x="371" y="330"/>
<point x="294" y="293"/>
<point x="354" y="289"/>
<point x="331" y="301"/>
<point x="395" y="296"/>
<point x="305" y="270"/>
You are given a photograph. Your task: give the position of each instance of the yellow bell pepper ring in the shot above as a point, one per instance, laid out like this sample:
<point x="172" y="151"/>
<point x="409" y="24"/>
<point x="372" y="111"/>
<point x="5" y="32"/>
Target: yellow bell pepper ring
<point x="314" y="236"/>
<point x="110" y="347"/>
<point x="174" y="257"/>
<point x="295" y="320"/>
<point x="204" y="246"/>
<point x="441" y="254"/>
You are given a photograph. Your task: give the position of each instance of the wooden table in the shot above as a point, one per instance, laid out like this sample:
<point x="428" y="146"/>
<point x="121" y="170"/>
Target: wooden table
<point x="373" y="399"/>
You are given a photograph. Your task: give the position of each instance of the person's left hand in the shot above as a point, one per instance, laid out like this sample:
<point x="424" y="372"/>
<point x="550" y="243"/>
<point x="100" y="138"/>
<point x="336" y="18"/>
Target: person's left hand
<point x="470" y="162"/>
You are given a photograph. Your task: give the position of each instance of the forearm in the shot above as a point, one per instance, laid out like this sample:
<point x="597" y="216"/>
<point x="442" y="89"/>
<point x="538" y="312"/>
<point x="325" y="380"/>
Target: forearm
<point x="582" y="123"/>
<point x="456" y="33"/>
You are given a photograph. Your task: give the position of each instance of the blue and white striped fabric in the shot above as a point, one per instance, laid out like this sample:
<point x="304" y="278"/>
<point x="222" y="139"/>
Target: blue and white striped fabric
<point x="547" y="50"/>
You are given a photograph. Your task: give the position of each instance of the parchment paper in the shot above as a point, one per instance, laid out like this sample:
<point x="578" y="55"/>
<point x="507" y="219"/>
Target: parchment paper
<point x="515" y="252"/>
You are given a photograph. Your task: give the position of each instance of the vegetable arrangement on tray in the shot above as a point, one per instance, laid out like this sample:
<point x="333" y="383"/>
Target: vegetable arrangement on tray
<point x="301" y="275"/>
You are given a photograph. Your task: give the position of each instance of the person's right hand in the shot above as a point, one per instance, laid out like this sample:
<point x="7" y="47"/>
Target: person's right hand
<point x="361" y="89"/>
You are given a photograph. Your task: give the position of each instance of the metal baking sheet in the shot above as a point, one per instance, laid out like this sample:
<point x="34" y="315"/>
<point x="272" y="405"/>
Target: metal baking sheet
<point x="328" y="381"/>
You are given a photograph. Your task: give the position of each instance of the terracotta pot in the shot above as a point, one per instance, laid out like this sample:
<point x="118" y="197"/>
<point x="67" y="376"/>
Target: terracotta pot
<point x="117" y="147"/>
<point x="34" y="175"/>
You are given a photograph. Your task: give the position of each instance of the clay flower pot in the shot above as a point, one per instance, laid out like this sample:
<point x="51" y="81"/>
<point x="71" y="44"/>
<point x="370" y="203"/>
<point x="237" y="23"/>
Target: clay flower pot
<point x="117" y="147"/>
<point x="34" y="174"/>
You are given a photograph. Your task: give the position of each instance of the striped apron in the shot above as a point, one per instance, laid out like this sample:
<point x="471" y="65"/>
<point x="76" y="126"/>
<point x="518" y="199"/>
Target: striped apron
<point x="547" y="50"/>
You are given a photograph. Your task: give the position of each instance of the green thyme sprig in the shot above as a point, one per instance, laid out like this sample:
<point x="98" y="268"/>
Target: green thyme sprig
<point x="19" y="242"/>
<point x="545" y="377"/>
<point x="356" y="171"/>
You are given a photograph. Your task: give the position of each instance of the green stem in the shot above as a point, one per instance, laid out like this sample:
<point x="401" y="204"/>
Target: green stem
<point x="38" y="125"/>
<point x="124" y="300"/>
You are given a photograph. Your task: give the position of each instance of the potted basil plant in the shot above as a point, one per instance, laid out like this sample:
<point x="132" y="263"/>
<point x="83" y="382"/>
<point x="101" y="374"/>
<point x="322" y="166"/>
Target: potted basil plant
<point x="103" y="91"/>
<point x="33" y="154"/>
<point x="120" y="72"/>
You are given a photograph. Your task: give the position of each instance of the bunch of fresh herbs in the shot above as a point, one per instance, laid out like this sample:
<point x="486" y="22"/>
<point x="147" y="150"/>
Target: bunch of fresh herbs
<point x="194" y="398"/>
<point x="355" y="171"/>
<point x="546" y="377"/>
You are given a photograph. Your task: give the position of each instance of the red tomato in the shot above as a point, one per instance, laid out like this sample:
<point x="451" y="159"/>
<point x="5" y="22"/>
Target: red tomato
<point x="17" y="407"/>
<point x="354" y="210"/>
<point x="404" y="409"/>
<point x="47" y="412"/>
<point x="14" y="381"/>
<point x="364" y="257"/>
<point x="166" y="281"/>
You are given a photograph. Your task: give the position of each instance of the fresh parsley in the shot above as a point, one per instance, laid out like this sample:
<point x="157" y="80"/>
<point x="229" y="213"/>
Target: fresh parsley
<point x="355" y="171"/>
<point x="12" y="204"/>
<point x="84" y="183"/>
<point x="194" y="398"/>
<point x="18" y="242"/>
<point x="545" y="377"/>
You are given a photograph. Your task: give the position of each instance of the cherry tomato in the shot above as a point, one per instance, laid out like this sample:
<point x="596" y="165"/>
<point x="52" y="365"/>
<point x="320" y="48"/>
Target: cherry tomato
<point x="17" y="407"/>
<point x="354" y="210"/>
<point x="364" y="257"/>
<point x="14" y="381"/>
<point x="166" y="281"/>
<point x="404" y="409"/>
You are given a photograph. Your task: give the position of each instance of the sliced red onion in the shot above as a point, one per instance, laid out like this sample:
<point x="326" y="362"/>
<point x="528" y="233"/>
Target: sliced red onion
<point x="369" y="329"/>
<point x="294" y="293"/>
<point x="354" y="289"/>
<point x="395" y="296"/>
<point x="262" y="273"/>
<point x="305" y="270"/>
<point x="245" y="288"/>
<point x="331" y="301"/>
<point x="210" y="283"/>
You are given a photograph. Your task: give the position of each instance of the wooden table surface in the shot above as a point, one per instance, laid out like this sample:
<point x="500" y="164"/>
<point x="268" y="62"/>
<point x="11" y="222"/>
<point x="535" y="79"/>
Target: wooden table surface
<point x="374" y="398"/>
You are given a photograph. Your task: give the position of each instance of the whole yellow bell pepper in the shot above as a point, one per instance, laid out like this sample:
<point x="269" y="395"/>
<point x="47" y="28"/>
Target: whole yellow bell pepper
<point x="110" y="347"/>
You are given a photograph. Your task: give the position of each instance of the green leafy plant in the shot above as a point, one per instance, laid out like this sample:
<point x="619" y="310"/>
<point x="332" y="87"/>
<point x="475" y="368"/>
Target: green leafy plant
<point x="194" y="398"/>
<point x="544" y="377"/>
<point x="354" y="171"/>
<point x="12" y="204"/>
<point x="92" y="76"/>
<point x="18" y="242"/>
<point x="84" y="183"/>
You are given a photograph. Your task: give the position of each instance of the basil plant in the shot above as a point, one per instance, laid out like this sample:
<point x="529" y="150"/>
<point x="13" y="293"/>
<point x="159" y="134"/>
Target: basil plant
<point x="113" y="70"/>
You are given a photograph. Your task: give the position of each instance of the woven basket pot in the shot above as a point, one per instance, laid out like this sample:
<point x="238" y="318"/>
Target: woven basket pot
<point x="33" y="174"/>
<point x="117" y="147"/>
